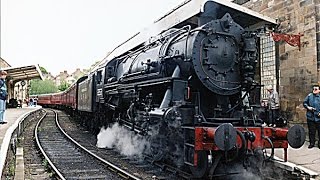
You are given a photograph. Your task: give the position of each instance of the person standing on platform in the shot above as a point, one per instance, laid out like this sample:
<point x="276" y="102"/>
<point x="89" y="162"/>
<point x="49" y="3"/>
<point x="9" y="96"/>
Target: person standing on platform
<point x="30" y="102"/>
<point x="312" y="104"/>
<point x="273" y="105"/>
<point x="3" y="95"/>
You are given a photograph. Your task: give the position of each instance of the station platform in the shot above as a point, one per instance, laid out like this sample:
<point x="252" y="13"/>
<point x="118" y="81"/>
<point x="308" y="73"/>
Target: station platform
<point x="307" y="160"/>
<point x="12" y="117"/>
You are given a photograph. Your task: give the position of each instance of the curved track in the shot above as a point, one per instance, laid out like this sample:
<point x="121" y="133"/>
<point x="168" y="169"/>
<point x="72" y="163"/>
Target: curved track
<point x="140" y="166"/>
<point x="33" y="161"/>
<point x="68" y="158"/>
<point x="81" y="159"/>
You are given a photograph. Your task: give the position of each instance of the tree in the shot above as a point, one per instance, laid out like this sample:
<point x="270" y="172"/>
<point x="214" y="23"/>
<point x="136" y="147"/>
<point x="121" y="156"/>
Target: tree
<point x="63" y="86"/>
<point x="43" y="70"/>
<point x="42" y="87"/>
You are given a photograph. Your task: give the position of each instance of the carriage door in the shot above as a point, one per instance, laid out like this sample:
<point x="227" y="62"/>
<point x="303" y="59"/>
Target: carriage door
<point x="99" y="81"/>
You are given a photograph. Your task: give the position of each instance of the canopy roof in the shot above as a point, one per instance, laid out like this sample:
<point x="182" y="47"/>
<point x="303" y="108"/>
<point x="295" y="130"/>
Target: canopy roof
<point x="24" y="72"/>
<point x="188" y="12"/>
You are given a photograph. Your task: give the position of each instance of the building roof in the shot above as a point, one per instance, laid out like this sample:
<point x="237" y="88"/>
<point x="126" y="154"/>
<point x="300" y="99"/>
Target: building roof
<point x="24" y="72"/>
<point x="4" y="63"/>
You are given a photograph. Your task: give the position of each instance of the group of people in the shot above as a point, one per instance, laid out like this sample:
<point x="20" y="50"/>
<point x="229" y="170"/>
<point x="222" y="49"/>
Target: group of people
<point x="32" y="102"/>
<point x="312" y="105"/>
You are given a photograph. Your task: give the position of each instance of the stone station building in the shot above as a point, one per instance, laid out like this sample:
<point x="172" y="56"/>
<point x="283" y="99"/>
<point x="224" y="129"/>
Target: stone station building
<point x="292" y="70"/>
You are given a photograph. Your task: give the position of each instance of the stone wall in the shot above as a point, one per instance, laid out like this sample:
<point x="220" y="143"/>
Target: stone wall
<point x="298" y="69"/>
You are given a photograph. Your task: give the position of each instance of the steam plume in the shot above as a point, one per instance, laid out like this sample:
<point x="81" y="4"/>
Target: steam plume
<point x="125" y="141"/>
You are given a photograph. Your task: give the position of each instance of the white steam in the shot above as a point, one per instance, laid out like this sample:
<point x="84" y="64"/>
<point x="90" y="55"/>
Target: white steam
<point x="125" y="141"/>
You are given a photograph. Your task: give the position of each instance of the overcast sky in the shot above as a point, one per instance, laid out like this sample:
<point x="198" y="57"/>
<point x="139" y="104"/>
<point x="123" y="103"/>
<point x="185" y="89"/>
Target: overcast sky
<point x="66" y="34"/>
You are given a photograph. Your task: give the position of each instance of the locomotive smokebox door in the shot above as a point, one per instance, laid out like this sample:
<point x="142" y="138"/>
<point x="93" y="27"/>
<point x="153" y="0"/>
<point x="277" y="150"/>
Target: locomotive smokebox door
<point x="296" y="136"/>
<point x="218" y="62"/>
<point x="225" y="137"/>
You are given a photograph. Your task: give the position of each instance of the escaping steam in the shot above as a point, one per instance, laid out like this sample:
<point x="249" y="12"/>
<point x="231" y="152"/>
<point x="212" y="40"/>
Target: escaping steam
<point x="125" y="141"/>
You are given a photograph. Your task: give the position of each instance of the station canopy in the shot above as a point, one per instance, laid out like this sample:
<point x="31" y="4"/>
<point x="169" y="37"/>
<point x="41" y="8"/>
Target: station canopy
<point x="188" y="13"/>
<point x="23" y="73"/>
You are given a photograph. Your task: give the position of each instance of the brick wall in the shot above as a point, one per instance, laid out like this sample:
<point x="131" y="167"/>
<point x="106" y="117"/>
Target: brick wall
<point x="298" y="69"/>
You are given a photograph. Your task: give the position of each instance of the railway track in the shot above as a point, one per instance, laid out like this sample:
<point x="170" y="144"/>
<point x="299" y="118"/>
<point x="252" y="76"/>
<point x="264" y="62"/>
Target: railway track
<point x="141" y="167"/>
<point x="145" y="169"/>
<point x="70" y="160"/>
<point x="34" y="166"/>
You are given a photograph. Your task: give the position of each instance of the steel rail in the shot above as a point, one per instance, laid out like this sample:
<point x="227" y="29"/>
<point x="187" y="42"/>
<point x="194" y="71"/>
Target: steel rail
<point x="43" y="152"/>
<point x="111" y="166"/>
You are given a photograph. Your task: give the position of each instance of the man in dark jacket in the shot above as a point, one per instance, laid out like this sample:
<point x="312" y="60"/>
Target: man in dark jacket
<point x="312" y="104"/>
<point x="3" y="95"/>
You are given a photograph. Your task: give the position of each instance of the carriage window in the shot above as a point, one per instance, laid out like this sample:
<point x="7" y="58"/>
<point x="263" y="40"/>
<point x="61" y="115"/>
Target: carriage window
<point x="267" y="64"/>
<point x="99" y="77"/>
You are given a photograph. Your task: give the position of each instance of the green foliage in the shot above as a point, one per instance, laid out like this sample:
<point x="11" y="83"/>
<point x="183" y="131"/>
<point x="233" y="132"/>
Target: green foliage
<point x="42" y="87"/>
<point x="46" y="164"/>
<point x="12" y="167"/>
<point x="63" y="86"/>
<point x="43" y="70"/>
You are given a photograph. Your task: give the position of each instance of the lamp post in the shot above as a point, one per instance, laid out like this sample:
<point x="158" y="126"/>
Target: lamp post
<point x="18" y="91"/>
<point x="23" y="95"/>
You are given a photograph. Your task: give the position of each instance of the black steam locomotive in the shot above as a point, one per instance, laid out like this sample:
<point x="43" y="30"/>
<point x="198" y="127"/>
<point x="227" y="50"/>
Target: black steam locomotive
<point x="185" y="83"/>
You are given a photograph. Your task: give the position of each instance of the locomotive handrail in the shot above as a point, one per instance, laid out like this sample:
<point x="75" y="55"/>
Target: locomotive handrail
<point x="164" y="52"/>
<point x="153" y="81"/>
<point x="130" y="77"/>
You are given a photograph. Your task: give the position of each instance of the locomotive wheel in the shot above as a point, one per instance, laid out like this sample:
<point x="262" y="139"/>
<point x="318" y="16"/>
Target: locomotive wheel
<point x="200" y="171"/>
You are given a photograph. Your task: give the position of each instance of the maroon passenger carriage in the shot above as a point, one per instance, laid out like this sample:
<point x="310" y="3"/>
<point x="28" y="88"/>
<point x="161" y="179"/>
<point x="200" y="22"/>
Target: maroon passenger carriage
<point x="60" y="99"/>
<point x="185" y="83"/>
